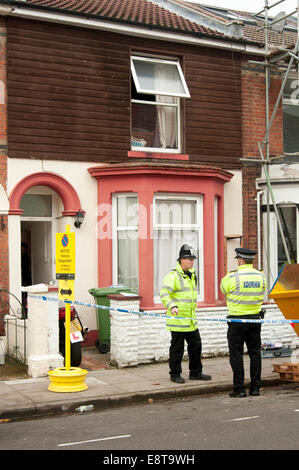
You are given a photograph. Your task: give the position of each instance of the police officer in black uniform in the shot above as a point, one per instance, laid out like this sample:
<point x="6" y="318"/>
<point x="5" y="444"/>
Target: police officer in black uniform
<point x="244" y="290"/>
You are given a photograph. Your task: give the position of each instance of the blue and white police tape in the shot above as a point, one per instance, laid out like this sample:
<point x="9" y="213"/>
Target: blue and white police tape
<point x="159" y="315"/>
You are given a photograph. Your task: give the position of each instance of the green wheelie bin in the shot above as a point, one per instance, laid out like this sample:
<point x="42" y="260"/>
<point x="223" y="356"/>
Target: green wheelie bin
<point x="101" y="297"/>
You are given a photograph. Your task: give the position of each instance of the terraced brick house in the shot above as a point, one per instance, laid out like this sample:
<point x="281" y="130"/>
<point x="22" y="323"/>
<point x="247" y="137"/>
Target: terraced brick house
<point x="135" y="113"/>
<point x="259" y="218"/>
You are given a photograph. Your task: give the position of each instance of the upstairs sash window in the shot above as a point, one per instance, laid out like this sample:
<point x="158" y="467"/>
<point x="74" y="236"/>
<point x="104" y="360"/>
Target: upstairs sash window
<point x="157" y="87"/>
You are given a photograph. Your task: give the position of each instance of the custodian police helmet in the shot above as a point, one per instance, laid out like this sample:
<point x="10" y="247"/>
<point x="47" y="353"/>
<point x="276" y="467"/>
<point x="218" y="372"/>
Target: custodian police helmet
<point x="186" y="251"/>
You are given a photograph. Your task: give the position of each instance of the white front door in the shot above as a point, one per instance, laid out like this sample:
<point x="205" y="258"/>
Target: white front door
<point x="38" y="237"/>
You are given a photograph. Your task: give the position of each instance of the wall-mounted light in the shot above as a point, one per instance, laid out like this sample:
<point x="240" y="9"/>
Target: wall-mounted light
<point x="79" y="217"/>
<point x="3" y="225"/>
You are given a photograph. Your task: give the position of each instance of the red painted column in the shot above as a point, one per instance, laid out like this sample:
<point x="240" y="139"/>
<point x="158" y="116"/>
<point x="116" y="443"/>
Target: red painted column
<point x="104" y="234"/>
<point x="220" y="241"/>
<point x="146" y="249"/>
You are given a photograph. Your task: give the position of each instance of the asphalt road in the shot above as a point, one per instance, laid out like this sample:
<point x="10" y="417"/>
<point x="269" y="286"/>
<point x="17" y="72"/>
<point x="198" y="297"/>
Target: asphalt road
<point x="211" y="422"/>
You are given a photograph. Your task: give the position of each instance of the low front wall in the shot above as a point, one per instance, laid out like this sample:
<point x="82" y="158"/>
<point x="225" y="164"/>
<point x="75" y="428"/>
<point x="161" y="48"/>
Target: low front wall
<point x="135" y="338"/>
<point x="139" y="339"/>
<point x="43" y="336"/>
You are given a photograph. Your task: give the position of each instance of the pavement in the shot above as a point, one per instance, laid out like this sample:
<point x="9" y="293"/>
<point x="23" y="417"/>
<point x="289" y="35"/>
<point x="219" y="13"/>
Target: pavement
<point x="108" y="386"/>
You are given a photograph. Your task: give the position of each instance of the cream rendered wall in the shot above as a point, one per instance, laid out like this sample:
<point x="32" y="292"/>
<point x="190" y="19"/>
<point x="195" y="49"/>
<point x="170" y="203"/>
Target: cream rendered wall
<point x="86" y="242"/>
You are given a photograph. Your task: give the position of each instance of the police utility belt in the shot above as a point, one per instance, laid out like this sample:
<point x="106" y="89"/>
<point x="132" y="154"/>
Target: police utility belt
<point x="254" y="316"/>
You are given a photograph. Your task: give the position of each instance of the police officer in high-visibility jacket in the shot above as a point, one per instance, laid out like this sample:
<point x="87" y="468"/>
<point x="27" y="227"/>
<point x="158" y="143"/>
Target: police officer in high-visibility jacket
<point x="244" y="290"/>
<point x="179" y="296"/>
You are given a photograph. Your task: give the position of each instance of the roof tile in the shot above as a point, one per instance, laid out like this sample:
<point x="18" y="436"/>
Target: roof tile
<point x="148" y="13"/>
<point x="142" y="12"/>
<point x="251" y="31"/>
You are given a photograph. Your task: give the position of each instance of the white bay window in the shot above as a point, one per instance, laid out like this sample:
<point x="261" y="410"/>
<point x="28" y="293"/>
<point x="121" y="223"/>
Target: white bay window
<point x="125" y="241"/>
<point x="177" y="219"/>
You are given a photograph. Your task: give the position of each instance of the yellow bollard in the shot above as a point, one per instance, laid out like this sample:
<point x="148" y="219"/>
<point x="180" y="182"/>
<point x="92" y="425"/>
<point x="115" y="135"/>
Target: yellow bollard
<point x="71" y="380"/>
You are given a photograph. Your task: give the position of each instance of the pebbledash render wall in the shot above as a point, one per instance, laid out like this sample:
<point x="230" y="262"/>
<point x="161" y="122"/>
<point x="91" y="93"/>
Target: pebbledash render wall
<point x="143" y="338"/>
<point x="253" y="131"/>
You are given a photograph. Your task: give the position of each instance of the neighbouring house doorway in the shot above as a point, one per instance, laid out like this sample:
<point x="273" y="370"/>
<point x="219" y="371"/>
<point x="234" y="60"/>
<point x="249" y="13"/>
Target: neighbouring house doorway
<point x="38" y="238"/>
<point x="39" y="205"/>
<point x="38" y="228"/>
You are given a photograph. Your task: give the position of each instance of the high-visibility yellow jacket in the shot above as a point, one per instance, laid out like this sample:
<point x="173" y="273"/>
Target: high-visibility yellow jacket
<point x="179" y="290"/>
<point x="244" y="290"/>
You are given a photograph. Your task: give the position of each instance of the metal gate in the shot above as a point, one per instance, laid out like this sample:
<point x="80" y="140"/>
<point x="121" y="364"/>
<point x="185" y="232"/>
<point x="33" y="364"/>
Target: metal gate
<point x="13" y="326"/>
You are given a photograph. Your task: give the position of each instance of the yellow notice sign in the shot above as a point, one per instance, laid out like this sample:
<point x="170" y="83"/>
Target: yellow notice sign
<point x="66" y="290"/>
<point x="65" y="255"/>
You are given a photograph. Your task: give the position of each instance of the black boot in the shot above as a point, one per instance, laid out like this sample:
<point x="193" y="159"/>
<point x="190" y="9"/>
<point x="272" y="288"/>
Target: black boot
<point x="239" y="394"/>
<point x="200" y="377"/>
<point x="177" y="379"/>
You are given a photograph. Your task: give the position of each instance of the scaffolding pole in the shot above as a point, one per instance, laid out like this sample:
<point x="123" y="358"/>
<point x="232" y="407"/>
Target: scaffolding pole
<point x="266" y="162"/>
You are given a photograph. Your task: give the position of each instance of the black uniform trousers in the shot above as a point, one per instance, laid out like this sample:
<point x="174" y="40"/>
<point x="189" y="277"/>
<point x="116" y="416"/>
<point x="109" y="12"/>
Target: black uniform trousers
<point x="239" y="334"/>
<point x="176" y="352"/>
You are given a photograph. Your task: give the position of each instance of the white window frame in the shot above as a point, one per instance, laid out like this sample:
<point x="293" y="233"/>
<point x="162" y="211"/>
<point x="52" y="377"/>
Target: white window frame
<point x="293" y="101"/>
<point x="198" y="198"/>
<point x="274" y="241"/>
<point x="177" y="105"/>
<point x="175" y="62"/>
<point x="116" y="229"/>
